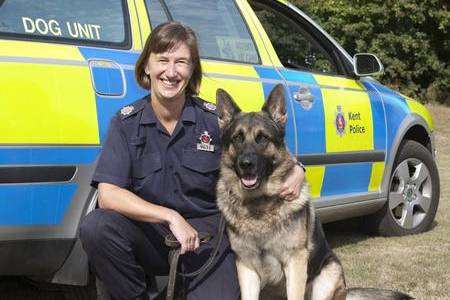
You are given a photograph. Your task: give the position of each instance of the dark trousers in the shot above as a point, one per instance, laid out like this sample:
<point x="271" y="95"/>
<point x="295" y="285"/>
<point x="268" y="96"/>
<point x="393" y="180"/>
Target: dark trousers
<point x="126" y="253"/>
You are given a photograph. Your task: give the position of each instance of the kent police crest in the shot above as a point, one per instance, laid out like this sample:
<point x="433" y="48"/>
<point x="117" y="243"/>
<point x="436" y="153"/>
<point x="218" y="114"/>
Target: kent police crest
<point x="340" y="122"/>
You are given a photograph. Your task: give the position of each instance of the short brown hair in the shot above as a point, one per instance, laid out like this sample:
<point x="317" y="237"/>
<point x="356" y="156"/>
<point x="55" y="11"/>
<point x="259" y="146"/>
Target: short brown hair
<point x="163" y="38"/>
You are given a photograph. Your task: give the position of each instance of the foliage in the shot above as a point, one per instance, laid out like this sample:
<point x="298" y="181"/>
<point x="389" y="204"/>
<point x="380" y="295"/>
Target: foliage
<point x="411" y="38"/>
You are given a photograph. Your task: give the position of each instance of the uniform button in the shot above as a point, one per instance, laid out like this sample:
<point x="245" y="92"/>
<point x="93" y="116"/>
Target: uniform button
<point x="175" y="191"/>
<point x="170" y="167"/>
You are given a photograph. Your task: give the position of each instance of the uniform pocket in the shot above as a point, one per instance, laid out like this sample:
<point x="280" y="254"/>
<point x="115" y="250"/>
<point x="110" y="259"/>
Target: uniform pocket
<point x="200" y="161"/>
<point x="146" y="165"/>
<point x="198" y="174"/>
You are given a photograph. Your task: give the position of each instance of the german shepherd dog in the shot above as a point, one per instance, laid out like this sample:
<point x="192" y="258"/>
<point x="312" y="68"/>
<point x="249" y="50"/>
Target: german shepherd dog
<point x="280" y="245"/>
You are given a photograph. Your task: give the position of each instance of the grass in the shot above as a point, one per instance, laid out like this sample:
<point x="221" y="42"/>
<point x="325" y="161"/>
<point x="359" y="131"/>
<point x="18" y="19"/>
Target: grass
<point x="418" y="265"/>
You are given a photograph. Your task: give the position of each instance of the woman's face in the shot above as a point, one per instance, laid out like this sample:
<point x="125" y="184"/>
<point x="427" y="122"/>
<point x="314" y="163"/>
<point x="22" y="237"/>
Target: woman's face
<point x="170" y="73"/>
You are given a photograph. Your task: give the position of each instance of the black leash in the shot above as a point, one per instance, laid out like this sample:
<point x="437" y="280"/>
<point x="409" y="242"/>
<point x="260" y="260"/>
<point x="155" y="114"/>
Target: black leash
<point x="174" y="255"/>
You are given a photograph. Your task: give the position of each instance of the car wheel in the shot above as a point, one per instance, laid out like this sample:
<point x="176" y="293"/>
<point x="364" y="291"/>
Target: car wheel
<point x="413" y="193"/>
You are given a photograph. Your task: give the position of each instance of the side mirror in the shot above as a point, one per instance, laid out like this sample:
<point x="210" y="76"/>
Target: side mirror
<point x="366" y="64"/>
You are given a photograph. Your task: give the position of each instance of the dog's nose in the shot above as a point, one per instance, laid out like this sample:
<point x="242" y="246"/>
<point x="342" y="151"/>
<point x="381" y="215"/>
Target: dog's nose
<point x="245" y="163"/>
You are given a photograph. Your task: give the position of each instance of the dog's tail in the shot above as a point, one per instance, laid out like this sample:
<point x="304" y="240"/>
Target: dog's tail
<point x="375" y="294"/>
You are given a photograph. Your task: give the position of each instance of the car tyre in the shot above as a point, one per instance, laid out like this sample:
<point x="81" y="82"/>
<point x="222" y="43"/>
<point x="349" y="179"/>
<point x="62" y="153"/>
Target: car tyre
<point x="413" y="195"/>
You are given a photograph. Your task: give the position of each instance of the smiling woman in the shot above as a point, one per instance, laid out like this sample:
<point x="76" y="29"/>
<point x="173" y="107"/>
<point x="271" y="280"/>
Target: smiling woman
<point x="148" y="186"/>
<point x="157" y="174"/>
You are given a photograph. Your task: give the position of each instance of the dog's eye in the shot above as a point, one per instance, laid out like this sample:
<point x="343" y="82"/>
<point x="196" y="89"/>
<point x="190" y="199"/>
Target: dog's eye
<point x="238" y="138"/>
<point x="261" y="139"/>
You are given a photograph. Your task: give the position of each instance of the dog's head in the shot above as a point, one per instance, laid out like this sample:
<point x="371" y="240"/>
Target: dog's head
<point x="252" y="143"/>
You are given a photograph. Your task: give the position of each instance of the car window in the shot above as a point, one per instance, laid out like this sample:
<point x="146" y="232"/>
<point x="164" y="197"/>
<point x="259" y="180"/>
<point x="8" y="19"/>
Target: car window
<point x="221" y="30"/>
<point x="77" y="22"/>
<point x="295" y="47"/>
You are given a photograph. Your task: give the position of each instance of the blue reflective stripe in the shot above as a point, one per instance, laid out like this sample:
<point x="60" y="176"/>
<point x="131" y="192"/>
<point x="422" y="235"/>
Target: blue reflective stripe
<point x="122" y="57"/>
<point x="396" y="110"/>
<point x="310" y="123"/>
<point x="267" y="73"/>
<point x="356" y="179"/>
<point x="106" y="106"/>
<point x="378" y="118"/>
<point x="298" y="76"/>
<point x="22" y="205"/>
<point x="48" y="155"/>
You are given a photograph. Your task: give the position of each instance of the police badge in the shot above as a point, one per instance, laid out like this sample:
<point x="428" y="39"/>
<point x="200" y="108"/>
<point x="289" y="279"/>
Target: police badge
<point x="126" y="110"/>
<point x="205" y="142"/>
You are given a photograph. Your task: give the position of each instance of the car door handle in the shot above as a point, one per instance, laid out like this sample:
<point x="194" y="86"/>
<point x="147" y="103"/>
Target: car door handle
<point x="304" y="96"/>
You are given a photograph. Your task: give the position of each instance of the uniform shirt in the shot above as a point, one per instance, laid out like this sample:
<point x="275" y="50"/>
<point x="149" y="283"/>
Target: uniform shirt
<point x="178" y="171"/>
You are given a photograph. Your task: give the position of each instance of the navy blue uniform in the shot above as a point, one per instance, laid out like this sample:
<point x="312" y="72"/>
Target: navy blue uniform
<point x="178" y="171"/>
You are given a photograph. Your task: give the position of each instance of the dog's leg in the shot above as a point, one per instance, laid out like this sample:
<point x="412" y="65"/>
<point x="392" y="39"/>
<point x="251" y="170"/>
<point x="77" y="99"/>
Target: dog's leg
<point x="330" y="283"/>
<point x="296" y="274"/>
<point x="249" y="282"/>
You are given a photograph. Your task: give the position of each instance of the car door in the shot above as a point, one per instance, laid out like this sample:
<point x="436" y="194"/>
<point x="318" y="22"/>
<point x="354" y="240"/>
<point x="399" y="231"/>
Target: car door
<point x="339" y="122"/>
<point x="64" y="69"/>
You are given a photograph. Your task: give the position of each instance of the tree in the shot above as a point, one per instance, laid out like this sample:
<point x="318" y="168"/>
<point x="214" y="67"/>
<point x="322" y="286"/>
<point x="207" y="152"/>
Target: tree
<point x="411" y="37"/>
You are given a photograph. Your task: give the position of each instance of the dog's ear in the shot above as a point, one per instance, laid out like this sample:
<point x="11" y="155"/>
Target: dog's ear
<point x="226" y="108"/>
<point x="275" y="105"/>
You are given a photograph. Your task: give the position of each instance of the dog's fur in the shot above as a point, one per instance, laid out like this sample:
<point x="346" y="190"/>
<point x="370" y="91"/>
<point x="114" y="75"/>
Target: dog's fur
<point x="280" y="245"/>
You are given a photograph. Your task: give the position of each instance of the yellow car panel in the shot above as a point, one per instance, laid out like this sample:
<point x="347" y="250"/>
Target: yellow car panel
<point x="376" y="176"/>
<point x="314" y="176"/>
<point x="53" y="120"/>
<point x="239" y="80"/>
<point x="39" y="50"/>
<point x="338" y="82"/>
<point x="356" y="133"/>
<point x="137" y="43"/>
<point x="421" y="110"/>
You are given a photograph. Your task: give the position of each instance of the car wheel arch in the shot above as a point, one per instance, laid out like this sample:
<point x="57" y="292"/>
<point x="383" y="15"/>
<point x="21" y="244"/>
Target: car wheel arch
<point x="413" y="127"/>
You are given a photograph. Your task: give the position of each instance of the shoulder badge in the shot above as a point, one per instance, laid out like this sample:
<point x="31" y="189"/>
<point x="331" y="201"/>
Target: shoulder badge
<point x="209" y="106"/>
<point x="126" y="110"/>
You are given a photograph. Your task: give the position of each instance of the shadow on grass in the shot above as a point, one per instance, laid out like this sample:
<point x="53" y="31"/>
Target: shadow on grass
<point x="342" y="233"/>
<point x="351" y="231"/>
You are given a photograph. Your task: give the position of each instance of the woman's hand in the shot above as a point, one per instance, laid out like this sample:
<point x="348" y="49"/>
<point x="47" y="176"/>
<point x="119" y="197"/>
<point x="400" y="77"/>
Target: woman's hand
<point x="184" y="233"/>
<point x="293" y="184"/>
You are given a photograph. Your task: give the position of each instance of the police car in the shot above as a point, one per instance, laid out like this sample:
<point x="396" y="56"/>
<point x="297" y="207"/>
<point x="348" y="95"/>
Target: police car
<point x="66" y="67"/>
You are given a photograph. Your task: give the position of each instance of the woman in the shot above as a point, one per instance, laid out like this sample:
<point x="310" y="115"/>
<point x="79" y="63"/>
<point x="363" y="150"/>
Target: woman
<point x="154" y="179"/>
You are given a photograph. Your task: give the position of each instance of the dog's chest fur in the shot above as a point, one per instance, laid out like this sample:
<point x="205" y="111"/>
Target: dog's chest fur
<point x="265" y="233"/>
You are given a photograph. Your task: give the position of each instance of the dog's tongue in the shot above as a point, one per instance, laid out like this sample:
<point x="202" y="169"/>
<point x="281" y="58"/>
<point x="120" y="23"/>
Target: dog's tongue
<point x="249" y="181"/>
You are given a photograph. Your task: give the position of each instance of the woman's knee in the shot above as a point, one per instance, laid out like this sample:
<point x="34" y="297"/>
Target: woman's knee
<point x="100" y="227"/>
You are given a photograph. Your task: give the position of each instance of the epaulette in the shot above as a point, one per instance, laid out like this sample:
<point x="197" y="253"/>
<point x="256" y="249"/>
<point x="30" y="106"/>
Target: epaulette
<point x="133" y="108"/>
<point x="205" y="105"/>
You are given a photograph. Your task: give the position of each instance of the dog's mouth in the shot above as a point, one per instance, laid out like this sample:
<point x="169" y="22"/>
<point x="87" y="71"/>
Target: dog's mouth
<point x="249" y="182"/>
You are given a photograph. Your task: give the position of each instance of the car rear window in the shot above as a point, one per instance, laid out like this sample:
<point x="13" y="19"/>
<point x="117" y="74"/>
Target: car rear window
<point x="221" y="29"/>
<point x="84" y="22"/>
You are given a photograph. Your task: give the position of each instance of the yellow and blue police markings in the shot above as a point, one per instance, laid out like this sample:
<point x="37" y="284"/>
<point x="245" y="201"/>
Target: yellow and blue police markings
<point x="36" y="111"/>
<point x="107" y="106"/>
<point x="338" y="102"/>
<point x="395" y="108"/>
<point x="417" y="108"/>
<point x="240" y="81"/>
<point x="44" y="128"/>
<point x="348" y="128"/>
